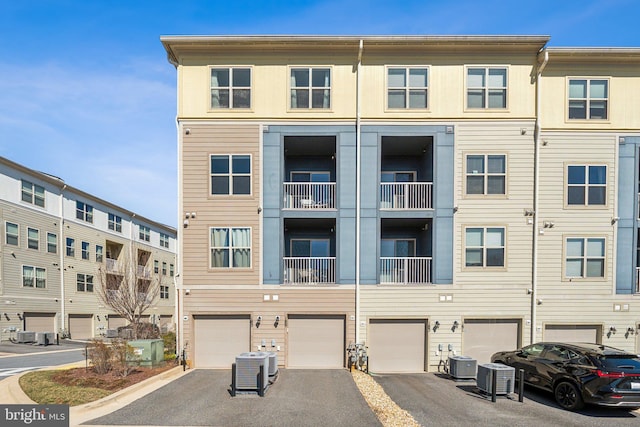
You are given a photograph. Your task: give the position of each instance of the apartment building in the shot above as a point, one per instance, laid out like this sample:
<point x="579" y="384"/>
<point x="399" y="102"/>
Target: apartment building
<point x="416" y="194"/>
<point x="57" y="241"/>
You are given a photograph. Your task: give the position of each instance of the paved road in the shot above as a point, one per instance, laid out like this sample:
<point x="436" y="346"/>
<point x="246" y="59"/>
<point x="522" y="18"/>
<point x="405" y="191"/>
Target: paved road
<point x="323" y="398"/>
<point x="23" y="360"/>
<point x="435" y="400"/>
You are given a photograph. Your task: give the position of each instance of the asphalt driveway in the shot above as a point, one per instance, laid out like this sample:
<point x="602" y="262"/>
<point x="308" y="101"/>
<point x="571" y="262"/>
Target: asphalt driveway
<point x="298" y="398"/>
<point x="437" y="400"/>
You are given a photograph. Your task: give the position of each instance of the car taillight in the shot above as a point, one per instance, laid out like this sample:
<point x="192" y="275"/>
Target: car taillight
<point x="603" y="374"/>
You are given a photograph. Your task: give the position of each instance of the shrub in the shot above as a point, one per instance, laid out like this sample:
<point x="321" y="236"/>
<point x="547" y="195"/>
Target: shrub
<point x="124" y="359"/>
<point x="169" y="343"/>
<point x="101" y="355"/>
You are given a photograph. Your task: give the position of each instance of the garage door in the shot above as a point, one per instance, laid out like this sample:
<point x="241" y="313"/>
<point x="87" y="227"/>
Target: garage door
<point x="116" y="321"/>
<point x="483" y="337"/>
<point x="397" y="345"/>
<point x="81" y="326"/>
<point x="39" y="322"/>
<point x="166" y="323"/>
<point x="573" y="333"/>
<point x="219" y="339"/>
<point x="316" y="342"/>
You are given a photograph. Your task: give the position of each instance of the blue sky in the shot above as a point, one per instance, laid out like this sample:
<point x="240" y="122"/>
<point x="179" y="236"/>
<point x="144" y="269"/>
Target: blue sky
<point x="86" y="92"/>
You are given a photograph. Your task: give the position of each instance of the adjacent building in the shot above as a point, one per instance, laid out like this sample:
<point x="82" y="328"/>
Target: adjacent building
<point x="57" y="241"/>
<point x="423" y="195"/>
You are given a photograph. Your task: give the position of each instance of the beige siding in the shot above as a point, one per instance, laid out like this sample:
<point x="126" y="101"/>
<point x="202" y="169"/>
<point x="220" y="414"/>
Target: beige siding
<point x="242" y="211"/>
<point x="323" y="301"/>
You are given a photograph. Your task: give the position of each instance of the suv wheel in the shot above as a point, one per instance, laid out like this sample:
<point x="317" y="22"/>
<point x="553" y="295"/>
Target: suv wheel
<point x="568" y="396"/>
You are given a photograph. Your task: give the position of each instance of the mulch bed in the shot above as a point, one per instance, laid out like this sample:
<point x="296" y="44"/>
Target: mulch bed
<point x="82" y="377"/>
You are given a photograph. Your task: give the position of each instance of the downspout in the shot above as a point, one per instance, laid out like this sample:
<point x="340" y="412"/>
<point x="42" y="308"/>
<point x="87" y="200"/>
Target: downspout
<point x="358" y="184"/>
<point x="536" y="203"/>
<point x="61" y="250"/>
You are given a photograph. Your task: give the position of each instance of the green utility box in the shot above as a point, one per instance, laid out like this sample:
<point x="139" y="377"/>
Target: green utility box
<point x="147" y="353"/>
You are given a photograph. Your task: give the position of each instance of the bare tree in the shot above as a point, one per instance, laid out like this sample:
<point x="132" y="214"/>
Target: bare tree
<point x="129" y="287"/>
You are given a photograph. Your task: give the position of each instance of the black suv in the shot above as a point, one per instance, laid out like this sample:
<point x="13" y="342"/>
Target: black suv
<point x="579" y="373"/>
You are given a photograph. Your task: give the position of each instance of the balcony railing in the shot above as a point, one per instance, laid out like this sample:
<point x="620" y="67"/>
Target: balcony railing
<point x="405" y="195"/>
<point x="112" y="266"/>
<point x="309" y="195"/>
<point x="309" y="270"/>
<point x="144" y="272"/>
<point x="412" y="270"/>
<point x="637" y="280"/>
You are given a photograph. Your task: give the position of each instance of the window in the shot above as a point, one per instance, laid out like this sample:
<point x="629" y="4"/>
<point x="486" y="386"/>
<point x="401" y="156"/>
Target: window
<point x="11" y="233"/>
<point x="114" y="223"/>
<point x="33" y="238"/>
<point x="52" y="243"/>
<point x="311" y="88"/>
<point x="409" y="176"/>
<point x="144" y="233"/>
<point x="164" y="292"/>
<point x="171" y="271"/>
<point x="586" y="185"/>
<point x="84" y="212"/>
<point x="156" y="266"/>
<point x="34" y="277"/>
<point x="164" y="268"/>
<point x="85" y="250"/>
<point x="486" y="174"/>
<point x="230" y="88"/>
<point x="71" y="247"/>
<point x="230" y="247"/>
<point x="486" y="87"/>
<point x="588" y="99"/>
<point x="407" y="87"/>
<point x="32" y="193"/>
<point x="397" y="248"/>
<point x="484" y="247"/>
<point x="310" y="248"/>
<point x="99" y="253"/>
<point x="84" y="283"/>
<point x="230" y="174"/>
<point x="584" y="257"/>
<point x="164" y="240"/>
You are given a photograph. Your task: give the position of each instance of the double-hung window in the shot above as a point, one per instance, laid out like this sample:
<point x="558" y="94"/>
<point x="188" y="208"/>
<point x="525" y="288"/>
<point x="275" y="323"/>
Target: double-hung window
<point x="486" y="174"/>
<point x="486" y="87"/>
<point x="586" y="185"/>
<point x="32" y="193"/>
<point x="52" y="243"/>
<point x="71" y="247"/>
<point x="33" y="238"/>
<point x="144" y="233"/>
<point x="84" y="282"/>
<point x="310" y="88"/>
<point x="99" y="253"/>
<point x="34" y="277"/>
<point x="407" y="87"/>
<point x="11" y="233"/>
<point x="164" y="268"/>
<point x="230" y="247"/>
<point x="171" y="270"/>
<point x="164" y="292"/>
<point x="588" y="99"/>
<point x="584" y="257"/>
<point x="164" y="240"/>
<point x="156" y="266"/>
<point x="485" y="247"/>
<point x="114" y="223"/>
<point x="231" y="174"/>
<point x="230" y="87"/>
<point x="84" y="212"/>
<point x="85" y="250"/>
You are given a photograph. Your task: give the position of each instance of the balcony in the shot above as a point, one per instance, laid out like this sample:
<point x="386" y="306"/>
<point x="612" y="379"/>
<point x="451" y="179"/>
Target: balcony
<point x="309" y="270"/>
<point x="405" y="270"/>
<point x="144" y="272"/>
<point x="112" y="266"/>
<point x="309" y="195"/>
<point x="637" y="291"/>
<point x="405" y="195"/>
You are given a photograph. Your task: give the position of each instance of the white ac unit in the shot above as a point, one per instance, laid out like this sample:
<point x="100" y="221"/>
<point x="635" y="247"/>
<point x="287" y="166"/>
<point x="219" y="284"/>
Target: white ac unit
<point x="25" y="336"/>
<point x="463" y="367"/>
<point x="273" y="364"/>
<point x="111" y="333"/>
<point x="45" y="338"/>
<point x="505" y="378"/>
<point x="248" y="371"/>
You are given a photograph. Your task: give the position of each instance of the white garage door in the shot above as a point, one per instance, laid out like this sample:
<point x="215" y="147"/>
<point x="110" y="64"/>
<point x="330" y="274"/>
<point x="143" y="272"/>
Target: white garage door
<point x="397" y="345"/>
<point x="573" y="333"/>
<point x="483" y="337"/>
<point x="39" y="322"/>
<point x="116" y="321"/>
<point x="219" y="339"/>
<point x="81" y="326"/>
<point x="316" y="341"/>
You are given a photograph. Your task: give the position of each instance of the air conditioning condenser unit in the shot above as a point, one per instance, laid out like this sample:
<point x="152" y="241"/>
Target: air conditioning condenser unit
<point x="505" y="378"/>
<point x="252" y="371"/>
<point x="463" y="367"/>
<point x="25" y="337"/>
